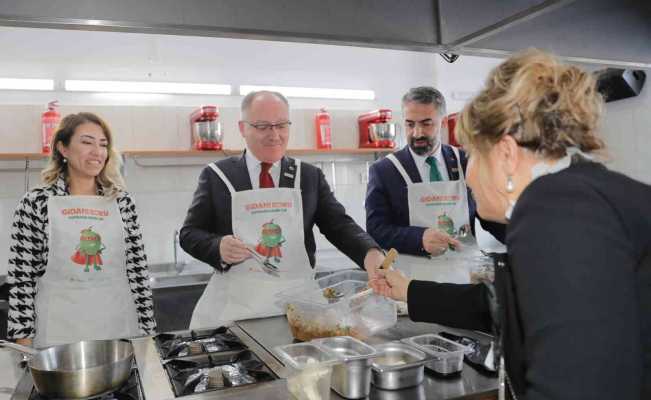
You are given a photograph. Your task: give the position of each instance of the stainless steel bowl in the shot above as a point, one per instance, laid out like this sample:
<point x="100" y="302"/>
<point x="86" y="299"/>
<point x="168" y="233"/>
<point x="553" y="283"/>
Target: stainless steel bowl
<point x="397" y="366"/>
<point x="78" y="370"/>
<point x="208" y="130"/>
<point x="352" y="379"/>
<point x="383" y="131"/>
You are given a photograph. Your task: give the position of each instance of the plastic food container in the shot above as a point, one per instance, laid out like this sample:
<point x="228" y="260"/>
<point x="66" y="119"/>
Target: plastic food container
<point x="335" y="306"/>
<point x="397" y="366"/>
<point x="446" y="356"/>
<point x="352" y="378"/>
<point x="481" y="269"/>
<point x="310" y="370"/>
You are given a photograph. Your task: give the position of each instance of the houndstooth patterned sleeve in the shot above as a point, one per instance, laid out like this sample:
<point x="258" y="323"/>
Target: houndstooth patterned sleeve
<point x="27" y="260"/>
<point x="137" y="269"/>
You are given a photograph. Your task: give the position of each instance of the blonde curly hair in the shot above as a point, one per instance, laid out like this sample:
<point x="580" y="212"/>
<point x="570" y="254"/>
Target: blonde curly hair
<point x="545" y="105"/>
<point x="110" y="178"/>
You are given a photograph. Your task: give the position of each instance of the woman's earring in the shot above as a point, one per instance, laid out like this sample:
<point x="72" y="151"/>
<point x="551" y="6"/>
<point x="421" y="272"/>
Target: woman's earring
<point x="65" y="160"/>
<point x="510" y="187"/>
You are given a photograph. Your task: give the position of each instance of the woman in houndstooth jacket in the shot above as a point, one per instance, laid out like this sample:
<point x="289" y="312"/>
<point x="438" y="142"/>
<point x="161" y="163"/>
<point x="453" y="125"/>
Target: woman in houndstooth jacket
<point x="77" y="264"/>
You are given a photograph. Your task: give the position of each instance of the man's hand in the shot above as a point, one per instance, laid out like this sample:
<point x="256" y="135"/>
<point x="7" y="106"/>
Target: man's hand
<point x="436" y="242"/>
<point x="372" y="261"/>
<point x="233" y="250"/>
<point x="391" y="283"/>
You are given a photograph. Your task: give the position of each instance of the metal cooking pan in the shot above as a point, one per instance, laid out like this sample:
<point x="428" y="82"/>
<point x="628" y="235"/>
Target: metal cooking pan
<point x="78" y="370"/>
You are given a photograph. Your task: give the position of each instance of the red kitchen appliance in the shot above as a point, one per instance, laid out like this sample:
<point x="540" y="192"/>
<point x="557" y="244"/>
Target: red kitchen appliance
<point x="376" y="130"/>
<point x="206" y="128"/>
<point x="322" y="130"/>
<point x="49" y="122"/>
<point x="450" y="122"/>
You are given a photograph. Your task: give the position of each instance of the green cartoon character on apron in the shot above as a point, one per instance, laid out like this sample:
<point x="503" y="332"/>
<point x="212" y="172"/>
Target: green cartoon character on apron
<point x="271" y="241"/>
<point x="89" y="250"/>
<point x="445" y="224"/>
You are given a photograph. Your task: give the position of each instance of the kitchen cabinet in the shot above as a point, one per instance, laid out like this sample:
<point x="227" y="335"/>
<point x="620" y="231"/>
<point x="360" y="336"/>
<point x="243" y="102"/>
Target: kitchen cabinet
<point x="173" y="306"/>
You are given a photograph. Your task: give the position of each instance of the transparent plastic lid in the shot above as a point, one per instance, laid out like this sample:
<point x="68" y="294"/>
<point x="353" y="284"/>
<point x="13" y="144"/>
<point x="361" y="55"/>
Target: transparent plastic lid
<point x="325" y="291"/>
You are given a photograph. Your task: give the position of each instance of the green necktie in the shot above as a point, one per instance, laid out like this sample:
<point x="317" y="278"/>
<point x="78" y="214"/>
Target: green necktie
<point x="434" y="174"/>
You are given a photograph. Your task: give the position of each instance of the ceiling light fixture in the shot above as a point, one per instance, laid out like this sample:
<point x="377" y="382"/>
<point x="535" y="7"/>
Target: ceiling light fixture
<point x="316" y="93"/>
<point x="26" y="84"/>
<point x="146" y="87"/>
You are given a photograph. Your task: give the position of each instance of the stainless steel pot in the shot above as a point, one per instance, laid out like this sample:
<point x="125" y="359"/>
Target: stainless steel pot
<point x="398" y="366"/>
<point x="78" y="370"/>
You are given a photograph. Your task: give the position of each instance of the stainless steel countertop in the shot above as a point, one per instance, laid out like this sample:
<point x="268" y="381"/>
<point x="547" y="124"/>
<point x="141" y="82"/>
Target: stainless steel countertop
<point x="471" y="384"/>
<point x="261" y="335"/>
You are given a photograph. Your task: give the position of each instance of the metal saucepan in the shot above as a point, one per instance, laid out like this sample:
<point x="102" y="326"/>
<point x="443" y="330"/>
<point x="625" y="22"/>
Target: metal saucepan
<point x="78" y="370"/>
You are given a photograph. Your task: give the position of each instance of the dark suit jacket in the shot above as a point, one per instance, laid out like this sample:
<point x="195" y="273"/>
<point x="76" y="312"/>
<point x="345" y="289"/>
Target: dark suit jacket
<point x="574" y="294"/>
<point x="387" y="208"/>
<point x="209" y="215"/>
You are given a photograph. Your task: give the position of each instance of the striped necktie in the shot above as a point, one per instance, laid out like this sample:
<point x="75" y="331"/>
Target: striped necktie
<point x="434" y="174"/>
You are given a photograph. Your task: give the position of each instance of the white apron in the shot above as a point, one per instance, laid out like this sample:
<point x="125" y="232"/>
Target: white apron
<point x="442" y="205"/>
<point x="84" y="293"/>
<point x="271" y="222"/>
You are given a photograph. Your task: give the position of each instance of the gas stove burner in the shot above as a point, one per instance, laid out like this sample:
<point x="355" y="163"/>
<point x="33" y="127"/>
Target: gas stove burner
<point x="216" y="373"/>
<point x="197" y="342"/>
<point x="130" y="390"/>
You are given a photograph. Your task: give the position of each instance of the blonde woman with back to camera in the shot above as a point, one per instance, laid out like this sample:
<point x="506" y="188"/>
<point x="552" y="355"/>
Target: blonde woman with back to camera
<point x="571" y="302"/>
<point x="77" y="265"/>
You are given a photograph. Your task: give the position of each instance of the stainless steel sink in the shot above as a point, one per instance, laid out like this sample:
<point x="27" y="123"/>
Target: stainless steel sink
<point x="173" y="275"/>
<point x="158" y="282"/>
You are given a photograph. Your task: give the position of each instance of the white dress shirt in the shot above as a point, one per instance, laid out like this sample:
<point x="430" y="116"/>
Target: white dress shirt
<point x="254" y="167"/>
<point x="423" y="166"/>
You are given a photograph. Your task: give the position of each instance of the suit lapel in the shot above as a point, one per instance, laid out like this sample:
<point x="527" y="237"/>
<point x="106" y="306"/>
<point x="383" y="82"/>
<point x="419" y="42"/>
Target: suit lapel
<point x="239" y="174"/>
<point x="287" y="172"/>
<point x="450" y="162"/>
<point x="404" y="156"/>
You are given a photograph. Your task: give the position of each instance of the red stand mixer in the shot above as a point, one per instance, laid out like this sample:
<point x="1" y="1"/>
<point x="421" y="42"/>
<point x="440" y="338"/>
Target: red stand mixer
<point x="375" y="130"/>
<point x="206" y="129"/>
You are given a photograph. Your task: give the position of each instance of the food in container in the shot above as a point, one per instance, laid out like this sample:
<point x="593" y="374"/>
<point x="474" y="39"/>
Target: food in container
<point x="480" y="268"/>
<point x="446" y="356"/>
<point x="348" y="311"/>
<point x="352" y="378"/>
<point x="310" y="370"/>
<point x="397" y="366"/>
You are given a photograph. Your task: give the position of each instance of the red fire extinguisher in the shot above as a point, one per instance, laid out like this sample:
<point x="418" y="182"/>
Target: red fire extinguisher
<point x="49" y="122"/>
<point x="323" y="135"/>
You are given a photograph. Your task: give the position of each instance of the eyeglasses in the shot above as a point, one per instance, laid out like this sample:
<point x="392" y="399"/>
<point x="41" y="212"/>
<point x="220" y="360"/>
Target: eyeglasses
<point x="268" y="126"/>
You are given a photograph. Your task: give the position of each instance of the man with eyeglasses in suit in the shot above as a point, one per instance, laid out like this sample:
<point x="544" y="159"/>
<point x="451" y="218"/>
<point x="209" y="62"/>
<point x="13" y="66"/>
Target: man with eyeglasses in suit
<point x="252" y="218"/>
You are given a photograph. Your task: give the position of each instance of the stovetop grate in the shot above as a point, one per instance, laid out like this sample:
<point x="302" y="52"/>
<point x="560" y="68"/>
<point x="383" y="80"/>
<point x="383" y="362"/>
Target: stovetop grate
<point x="216" y="372"/>
<point x="197" y="342"/>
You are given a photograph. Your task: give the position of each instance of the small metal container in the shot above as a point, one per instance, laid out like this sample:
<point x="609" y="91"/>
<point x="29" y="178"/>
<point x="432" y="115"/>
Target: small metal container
<point x="397" y="366"/>
<point x="446" y="356"/>
<point x="310" y="370"/>
<point x="352" y="378"/>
